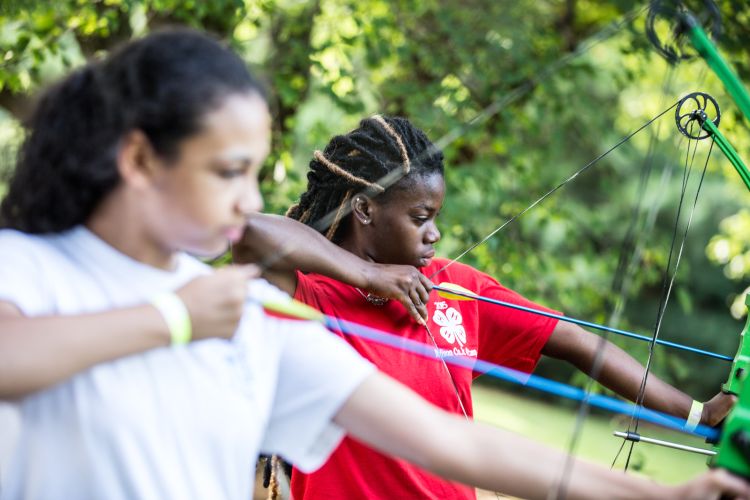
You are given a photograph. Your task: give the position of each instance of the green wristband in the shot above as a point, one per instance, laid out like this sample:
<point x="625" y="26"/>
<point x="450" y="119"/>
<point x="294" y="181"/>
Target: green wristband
<point x="176" y="315"/>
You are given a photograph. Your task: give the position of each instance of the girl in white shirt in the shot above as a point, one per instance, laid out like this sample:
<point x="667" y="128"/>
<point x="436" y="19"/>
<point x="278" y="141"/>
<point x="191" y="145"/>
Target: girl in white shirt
<point x="140" y="372"/>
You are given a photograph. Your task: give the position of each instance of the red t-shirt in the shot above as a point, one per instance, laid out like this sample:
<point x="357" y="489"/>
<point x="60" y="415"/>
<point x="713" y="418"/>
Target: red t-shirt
<point x="493" y="333"/>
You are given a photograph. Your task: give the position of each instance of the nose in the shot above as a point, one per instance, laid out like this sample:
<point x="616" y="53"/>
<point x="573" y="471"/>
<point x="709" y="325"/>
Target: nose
<point x="250" y="199"/>
<point x="432" y="235"/>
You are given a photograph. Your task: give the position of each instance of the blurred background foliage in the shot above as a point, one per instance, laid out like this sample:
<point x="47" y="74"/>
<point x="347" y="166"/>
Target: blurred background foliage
<point x="519" y="95"/>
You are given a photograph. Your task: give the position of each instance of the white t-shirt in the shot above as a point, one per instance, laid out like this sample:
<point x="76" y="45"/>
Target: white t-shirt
<point x="175" y="422"/>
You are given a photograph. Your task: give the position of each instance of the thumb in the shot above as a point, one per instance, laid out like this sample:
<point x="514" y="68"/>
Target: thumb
<point x="250" y="271"/>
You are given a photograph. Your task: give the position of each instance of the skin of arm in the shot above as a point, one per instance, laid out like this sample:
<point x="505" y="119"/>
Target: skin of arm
<point x="292" y="245"/>
<point x="38" y="352"/>
<point x="623" y="374"/>
<point x="391" y="418"/>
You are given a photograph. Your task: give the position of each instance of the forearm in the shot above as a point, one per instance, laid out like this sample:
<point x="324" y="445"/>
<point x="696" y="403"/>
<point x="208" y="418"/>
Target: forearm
<point x="396" y="421"/>
<point x="619" y="371"/>
<point x="283" y="245"/>
<point x="624" y="375"/>
<point x="36" y="353"/>
<point x="499" y="460"/>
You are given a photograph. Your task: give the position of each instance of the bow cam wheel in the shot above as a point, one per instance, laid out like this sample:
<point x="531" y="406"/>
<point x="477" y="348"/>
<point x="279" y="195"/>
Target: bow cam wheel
<point x="666" y="28"/>
<point x="692" y="111"/>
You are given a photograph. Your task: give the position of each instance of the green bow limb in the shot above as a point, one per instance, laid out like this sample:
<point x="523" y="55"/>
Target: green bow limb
<point x="733" y="450"/>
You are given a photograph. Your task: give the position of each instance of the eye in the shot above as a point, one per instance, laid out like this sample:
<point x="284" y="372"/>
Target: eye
<point x="232" y="173"/>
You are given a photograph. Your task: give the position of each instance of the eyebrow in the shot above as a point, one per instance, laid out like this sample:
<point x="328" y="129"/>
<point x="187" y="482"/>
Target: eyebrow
<point x="423" y="206"/>
<point x="242" y="159"/>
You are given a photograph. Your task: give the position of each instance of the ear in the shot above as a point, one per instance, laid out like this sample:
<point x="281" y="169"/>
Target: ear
<point x="137" y="162"/>
<point x="362" y="208"/>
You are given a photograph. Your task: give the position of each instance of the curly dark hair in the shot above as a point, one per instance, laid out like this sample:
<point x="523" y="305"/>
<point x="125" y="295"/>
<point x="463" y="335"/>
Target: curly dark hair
<point x="382" y="155"/>
<point x="162" y="84"/>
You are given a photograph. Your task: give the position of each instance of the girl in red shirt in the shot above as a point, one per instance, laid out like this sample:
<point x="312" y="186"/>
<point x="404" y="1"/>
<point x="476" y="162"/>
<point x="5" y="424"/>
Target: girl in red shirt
<point x="375" y="193"/>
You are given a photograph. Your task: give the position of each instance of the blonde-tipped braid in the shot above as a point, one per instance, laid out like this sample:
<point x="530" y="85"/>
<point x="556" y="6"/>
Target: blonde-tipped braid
<point x="343" y="173"/>
<point x="397" y="138"/>
<point x="273" y="484"/>
<point x="291" y="212"/>
<point x="389" y="148"/>
<point x="339" y="215"/>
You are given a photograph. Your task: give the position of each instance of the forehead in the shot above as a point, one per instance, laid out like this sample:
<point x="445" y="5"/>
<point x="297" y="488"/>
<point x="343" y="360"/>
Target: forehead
<point x="240" y="126"/>
<point x="425" y="190"/>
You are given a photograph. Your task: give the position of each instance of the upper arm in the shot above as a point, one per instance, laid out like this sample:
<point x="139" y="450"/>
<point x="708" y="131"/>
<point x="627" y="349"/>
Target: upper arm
<point x="572" y="343"/>
<point x="508" y="336"/>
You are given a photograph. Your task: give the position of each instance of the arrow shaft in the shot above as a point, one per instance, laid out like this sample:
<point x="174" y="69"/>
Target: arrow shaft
<point x="587" y="324"/>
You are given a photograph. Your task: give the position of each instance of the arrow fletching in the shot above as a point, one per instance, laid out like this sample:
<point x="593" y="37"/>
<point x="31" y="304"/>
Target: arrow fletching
<point x="294" y="309"/>
<point x="444" y="290"/>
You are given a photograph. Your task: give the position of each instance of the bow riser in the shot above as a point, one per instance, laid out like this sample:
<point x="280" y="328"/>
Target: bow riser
<point x="733" y="451"/>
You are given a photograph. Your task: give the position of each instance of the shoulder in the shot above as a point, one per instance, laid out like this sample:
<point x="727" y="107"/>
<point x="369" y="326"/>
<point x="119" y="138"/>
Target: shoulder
<point x="17" y="246"/>
<point x="11" y="238"/>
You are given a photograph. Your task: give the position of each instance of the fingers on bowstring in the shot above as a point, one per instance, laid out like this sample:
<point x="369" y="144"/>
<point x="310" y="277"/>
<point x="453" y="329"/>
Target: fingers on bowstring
<point x="411" y="308"/>
<point x="423" y="289"/>
<point x="420" y="308"/>
<point x="425" y="282"/>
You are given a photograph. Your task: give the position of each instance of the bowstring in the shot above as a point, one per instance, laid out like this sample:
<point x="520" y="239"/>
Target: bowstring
<point x="667" y="291"/>
<point x="661" y="306"/>
<point x="701" y="78"/>
<point x="626" y="265"/>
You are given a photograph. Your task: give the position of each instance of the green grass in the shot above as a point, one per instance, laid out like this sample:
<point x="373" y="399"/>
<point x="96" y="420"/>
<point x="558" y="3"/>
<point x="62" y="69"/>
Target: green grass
<point x="553" y="424"/>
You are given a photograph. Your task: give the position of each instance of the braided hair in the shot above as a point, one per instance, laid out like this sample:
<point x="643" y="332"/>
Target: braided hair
<point x="382" y="153"/>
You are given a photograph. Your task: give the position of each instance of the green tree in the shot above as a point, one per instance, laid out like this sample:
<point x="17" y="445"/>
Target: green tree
<point x="518" y="94"/>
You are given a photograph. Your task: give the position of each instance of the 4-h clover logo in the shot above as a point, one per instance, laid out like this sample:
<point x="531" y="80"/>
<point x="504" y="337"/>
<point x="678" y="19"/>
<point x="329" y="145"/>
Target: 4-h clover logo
<point x="450" y="325"/>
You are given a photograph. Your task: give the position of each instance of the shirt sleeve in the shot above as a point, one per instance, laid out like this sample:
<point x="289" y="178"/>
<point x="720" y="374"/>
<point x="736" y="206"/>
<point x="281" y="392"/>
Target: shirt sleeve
<point x="318" y="372"/>
<point x="21" y="280"/>
<point x="507" y="336"/>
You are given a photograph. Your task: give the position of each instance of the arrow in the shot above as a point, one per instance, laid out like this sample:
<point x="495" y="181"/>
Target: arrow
<point x="297" y="310"/>
<point x="453" y="291"/>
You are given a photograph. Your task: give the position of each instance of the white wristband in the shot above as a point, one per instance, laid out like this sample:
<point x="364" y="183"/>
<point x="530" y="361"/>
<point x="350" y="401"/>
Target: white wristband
<point x="694" y="417"/>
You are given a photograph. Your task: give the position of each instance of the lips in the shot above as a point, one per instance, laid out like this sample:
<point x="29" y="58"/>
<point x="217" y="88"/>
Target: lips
<point x="428" y="255"/>
<point x="234" y="234"/>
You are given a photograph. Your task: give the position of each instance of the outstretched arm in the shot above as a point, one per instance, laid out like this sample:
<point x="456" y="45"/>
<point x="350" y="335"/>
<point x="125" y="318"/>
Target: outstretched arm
<point x="623" y="374"/>
<point x="281" y="245"/>
<point x="38" y="352"/>
<point x="393" y="419"/>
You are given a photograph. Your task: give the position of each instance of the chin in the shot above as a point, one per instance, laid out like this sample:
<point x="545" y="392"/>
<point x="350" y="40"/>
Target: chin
<point x="423" y="262"/>
<point x="209" y="251"/>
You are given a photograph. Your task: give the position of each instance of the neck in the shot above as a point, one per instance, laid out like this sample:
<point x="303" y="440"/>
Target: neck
<point x="122" y="226"/>
<point x="351" y="245"/>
